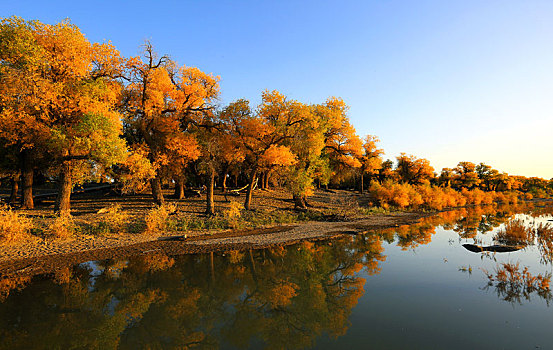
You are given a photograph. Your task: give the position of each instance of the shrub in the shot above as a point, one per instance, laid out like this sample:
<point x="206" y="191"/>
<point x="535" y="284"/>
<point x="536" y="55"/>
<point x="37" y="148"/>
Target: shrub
<point x="392" y="193"/>
<point x="14" y="226"/>
<point x="233" y="214"/>
<point x="112" y="219"/>
<point x="515" y="232"/>
<point x="62" y="226"/>
<point x="433" y="197"/>
<point x="513" y="281"/>
<point x="158" y="218"/>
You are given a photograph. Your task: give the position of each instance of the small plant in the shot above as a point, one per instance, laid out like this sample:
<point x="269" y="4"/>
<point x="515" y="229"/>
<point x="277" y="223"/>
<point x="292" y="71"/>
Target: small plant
<point x="233" y="214"/>
<point x="515" y="232"/>
<point x="544" y="232"/>
<point x="158" y="218"/>
<point x="112" y="219"/>
<point x="14" y="226"/>
<point x="366" y="211"/>
<point x="514" y="283"/>
<point x="63" y="226"/>
<point x="216" y="222"/>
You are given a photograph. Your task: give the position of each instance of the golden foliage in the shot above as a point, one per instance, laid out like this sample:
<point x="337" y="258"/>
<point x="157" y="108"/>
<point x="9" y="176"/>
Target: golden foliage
<point x="113" y="218"/>
<point x="514" y="282"/>
<point x="62" y="226"/>
<point x="13" y="225"/>
<point x="233" y="214"/>
<point x="413" y="170"/>
<point x="152" y="262"/>
<point x="281" y="295"/>
<point x="157" y="217"/>
<point x="515" y="232"/>
<point x="403" y="195"/>
<point x="7" y="284"/>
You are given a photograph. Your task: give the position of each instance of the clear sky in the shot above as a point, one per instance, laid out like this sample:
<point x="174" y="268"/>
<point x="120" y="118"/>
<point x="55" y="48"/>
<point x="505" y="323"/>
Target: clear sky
<point x="445" y="80"/>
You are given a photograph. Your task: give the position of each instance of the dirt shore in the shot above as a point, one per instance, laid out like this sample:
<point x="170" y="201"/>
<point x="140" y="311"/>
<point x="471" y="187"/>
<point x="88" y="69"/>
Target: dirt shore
<point x="33" y="258"/>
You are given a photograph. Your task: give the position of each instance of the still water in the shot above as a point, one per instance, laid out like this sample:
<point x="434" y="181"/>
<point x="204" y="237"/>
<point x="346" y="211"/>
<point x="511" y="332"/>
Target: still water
<point x="412" y="287"/>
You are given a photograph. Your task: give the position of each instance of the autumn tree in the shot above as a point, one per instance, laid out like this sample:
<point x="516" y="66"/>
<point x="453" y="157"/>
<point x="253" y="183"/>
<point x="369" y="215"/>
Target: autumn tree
<point x="343" y="147"/>
<point x="218" y="150"/>
<point x="413" y="170"/>
<point x="307" y="144"/>
<point x="371" y="160"/>
<point x="386" y="171"/>
<point x="23" y="96"/>
<point x="261" y="135"/>
<point x="162" y="102"/>
<point x="231" y="156"/>
<point x="445" y="178"/>
<point x="68" y="101"/>
<point x="465" y="175"/>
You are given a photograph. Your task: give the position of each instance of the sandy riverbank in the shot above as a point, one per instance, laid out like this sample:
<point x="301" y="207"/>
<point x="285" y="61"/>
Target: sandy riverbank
<point x="37" y="257"/>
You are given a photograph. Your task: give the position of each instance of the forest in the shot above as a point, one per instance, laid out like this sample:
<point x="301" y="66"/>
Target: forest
<point x="78" y="114"/>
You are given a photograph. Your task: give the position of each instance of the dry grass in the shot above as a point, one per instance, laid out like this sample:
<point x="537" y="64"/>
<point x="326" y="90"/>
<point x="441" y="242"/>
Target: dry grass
<point x="514" y="285"/>
<point x="157" y="218"/>
<point x="544" y="232"/>
<point x="111" y="220"/>
<point x="13" y="225"/>
<point x="513" y="281"/>
<point x="63" y="226"/>
<point x="515" y="232"/>
<point x="233" y="214"/>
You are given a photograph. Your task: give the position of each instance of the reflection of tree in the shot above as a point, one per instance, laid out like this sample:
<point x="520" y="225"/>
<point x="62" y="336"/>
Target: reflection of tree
<point x="411" y="236"/>
<point x="282" y="297"/>
<point x="483" y="219"/>
<point x="278" y="297"/>
<point x="467" y="222"/>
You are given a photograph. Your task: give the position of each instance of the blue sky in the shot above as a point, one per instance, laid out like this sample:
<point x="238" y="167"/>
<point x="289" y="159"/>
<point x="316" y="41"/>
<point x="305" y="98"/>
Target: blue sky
<point x="445" y="80"/>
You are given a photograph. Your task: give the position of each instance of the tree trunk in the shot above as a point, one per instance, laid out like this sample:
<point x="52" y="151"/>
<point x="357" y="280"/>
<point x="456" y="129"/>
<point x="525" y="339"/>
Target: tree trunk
<point x="266" y="185"/>
<point x="249" y="191"/>
<point x="27" y="174"/>
<point x="63" y="204"/>
<point x="15" y="189"/>
<point x="210" y="207"/>
<point x="299" y="203"/>
<point x="224" y="182"/>
<point x="362" y="183"/>
<point x="155" y="184"/>
<point x="179" y="188"/>
<point x="262" y="180"/>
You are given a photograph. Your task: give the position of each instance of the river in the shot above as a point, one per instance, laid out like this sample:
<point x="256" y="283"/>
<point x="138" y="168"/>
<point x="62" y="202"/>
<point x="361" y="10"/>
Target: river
<point x="411" y="287"/>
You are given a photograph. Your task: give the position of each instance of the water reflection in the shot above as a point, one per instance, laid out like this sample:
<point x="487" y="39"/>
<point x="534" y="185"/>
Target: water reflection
<point x="469" y="223"/>
<point x="284" y="298"/>
<point x="515" y="284"/>
<point x="275" y="298"/>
